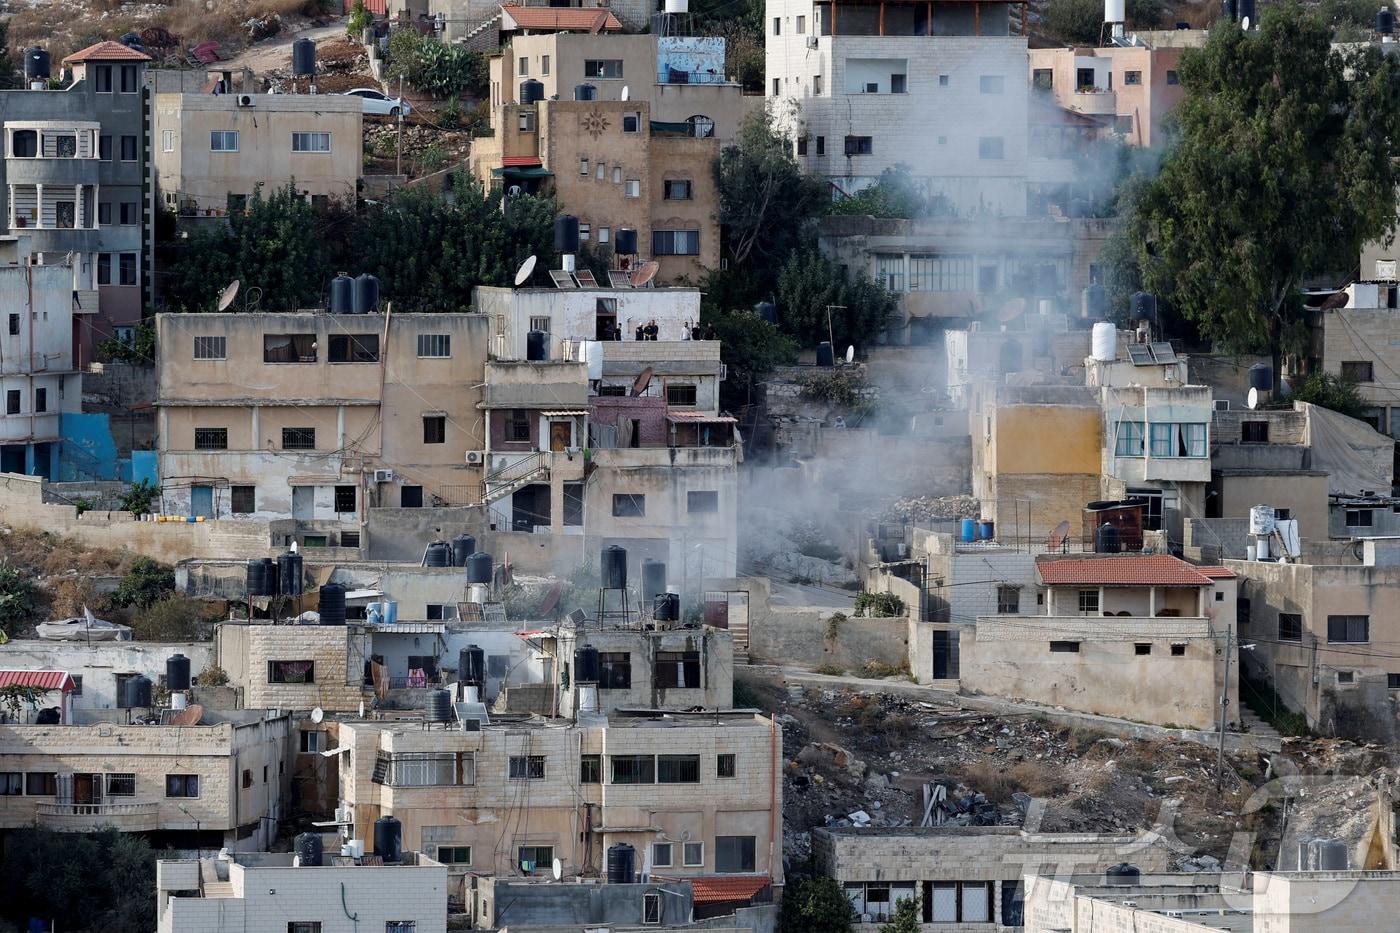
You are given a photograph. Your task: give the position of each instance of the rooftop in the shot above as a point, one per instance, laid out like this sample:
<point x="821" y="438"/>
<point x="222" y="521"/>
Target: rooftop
<point x="107" y="51"/>
<point x="1125" y="570"/>
<point x="559" y="19"/>
<point x="38" y="680"/>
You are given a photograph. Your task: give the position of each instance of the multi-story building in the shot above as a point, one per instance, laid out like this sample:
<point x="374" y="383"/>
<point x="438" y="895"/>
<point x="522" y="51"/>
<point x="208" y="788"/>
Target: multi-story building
<point x="211" y="151"/>
<point x="584" y="314"/>
<point x="1128" y="89"/>
<point x="319" y="417"/>
<point x="941" y="88"/>
<point x="99" y="669"/>
<point x="39" y="376"/>
<point x="77" y="183"/>
<point x="1352" y="342"/>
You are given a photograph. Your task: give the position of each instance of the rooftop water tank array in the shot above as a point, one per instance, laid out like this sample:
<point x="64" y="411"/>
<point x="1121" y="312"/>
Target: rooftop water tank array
<point x="666" y="607"/>
<point x="622" y="861"/>
<point x="463" y="546"/>
<point x="566" y="234"/>
<point x="136" y="692"/>
<point x="531" y="91"/>
<point x="289" y="574"/>
<point x="479" y="567"/>
<point x="439" y="554"/>
<point x="366" y="293"/>
<point x="36" y="64"/>
<point x="1261" y="377"/>
<point x="342" y="298"/>
<point x="1103" y="342"/>
<point x="309" y="849"/>
<point x="388" y="839"/>
<point x="438" y="706"/>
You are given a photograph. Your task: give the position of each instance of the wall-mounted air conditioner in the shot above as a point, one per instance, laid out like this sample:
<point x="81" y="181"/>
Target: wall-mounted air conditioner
<point x="476" y="457"/>
<point x="1222" y="404"/>
<point x="246" y="100"/>
<point x="811" y="42"/>
<point x="383" y="476"/>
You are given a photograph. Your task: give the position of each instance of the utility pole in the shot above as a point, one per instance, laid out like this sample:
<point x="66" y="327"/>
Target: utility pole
<point x="829" y="332"/>
<point x="1224" y="707"/>
<point x="398" y="146"/>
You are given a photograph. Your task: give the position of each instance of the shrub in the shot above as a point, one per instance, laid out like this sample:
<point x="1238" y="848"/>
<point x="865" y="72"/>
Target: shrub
<point x="139" y="497"/>
<point x="140" y="350"/>
<point x="212" y="676"/>
<point x="360" y="18"/>
<point x="146" y="583"/>
<point x="17" y="600"/>
<point x="879" y="605"/>
<point x="176" y="617"/>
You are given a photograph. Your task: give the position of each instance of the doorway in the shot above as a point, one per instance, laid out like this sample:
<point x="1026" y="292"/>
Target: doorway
<point x="303" y="502"/>
<point x="945" y="655"/>
<point x="87" y="789"/>
<point x="202" y="501"/>
<point x="561" y="433"/>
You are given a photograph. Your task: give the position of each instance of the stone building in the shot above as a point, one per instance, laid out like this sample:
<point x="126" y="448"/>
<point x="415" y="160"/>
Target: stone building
<point x="1128" y="89"/>
<point x="101" y="668"/>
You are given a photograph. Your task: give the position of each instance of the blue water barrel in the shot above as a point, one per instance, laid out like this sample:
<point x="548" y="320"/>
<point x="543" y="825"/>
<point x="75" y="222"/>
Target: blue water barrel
<point x="969" y="529"/>
<point x="986" y="530"/>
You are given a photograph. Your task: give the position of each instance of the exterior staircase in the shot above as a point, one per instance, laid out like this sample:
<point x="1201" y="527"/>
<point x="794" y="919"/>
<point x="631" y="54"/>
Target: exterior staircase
<point x="506" y="480"/>
<point x="484" y="35"/>
<point x="1253" y="725"/>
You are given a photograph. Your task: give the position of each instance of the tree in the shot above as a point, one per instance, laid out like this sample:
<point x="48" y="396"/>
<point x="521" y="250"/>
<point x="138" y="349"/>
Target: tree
<point x="1285" y="166"/>
<point x="809" y="284"/>
<point x="147" y="582"/>
<point x="815" y="905"/>
<point x="894" y="195"/>
<point x="750" y="347"/>
<point x="172" y="617"/>
<point x="17" y="600"/>
<point x="906" y="917"/>
<point x="9" y="74"/>
<point x="1328" y="391"/>
<point x="1080" y="22"/>
<point x="82" y="881"/>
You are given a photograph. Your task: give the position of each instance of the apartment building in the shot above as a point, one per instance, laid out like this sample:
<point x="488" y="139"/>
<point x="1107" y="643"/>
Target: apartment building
<point x="77" y="183"/>
<point x="1352" y="342"/>
<point x="319" y="417"/>
<point x="270" y="892"/>
<point x="222" y="782"/>
<point x="572" y="315"/>
<point x="99" y="669"/>
<point x="296" y="667"/>
<point x="40" y="380"/>
<point x="657" y="669"/>
<point x="212" y="151"/>
<point x="1127" y="89"/>
<point x="941" y="88"/>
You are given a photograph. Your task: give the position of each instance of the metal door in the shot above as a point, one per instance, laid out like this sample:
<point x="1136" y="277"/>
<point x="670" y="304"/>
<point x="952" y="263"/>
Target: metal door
<point x="303" y="502"/>
<point x="202" y="501"/>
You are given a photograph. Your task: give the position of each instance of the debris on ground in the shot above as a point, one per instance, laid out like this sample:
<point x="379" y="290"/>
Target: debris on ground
<point x="933" y="508"/>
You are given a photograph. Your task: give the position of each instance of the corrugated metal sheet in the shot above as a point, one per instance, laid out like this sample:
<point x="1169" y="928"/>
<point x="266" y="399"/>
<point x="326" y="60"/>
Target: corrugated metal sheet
<point x="39" y="680"/>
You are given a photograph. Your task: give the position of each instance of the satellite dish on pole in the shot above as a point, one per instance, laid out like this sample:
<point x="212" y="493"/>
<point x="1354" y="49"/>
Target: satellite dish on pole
<point x="229" y="293"/>
<point x="851" y="354"/>
<point x="642" y="381"/>
<point x="317" y="715"/>
<point x="527" y="269"/>
<point x="1253" y="398"/>
<point x="558" y="869"/>
<point x="626" y="92"/>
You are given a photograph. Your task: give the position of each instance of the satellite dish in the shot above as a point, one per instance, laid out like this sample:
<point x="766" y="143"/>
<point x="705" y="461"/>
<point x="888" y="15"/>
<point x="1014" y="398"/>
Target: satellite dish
<point x="558" y="869"/>
<point x="362" y="709"/>
<point x="851" y="354"/>
<point x="626" y="92"/>
<point x="1011" y="310"/>
<point x="645" y="273"/>
<point x="1057" y="537"/>
<point x="643" y="380"/>
<point x="1244" y="24"/>
<point x="527" y="269"/>
<point x="317" y="715"/>
<point x="1253" y="399"/>
<point x="229" y="293"/>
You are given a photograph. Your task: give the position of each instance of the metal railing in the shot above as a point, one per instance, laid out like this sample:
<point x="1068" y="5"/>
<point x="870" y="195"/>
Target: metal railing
<point x="517" y="469"/>
<point x="454" y="497"/>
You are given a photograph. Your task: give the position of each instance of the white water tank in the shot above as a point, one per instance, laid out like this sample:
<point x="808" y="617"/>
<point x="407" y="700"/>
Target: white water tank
<point x="1261" y="520"/>
<point x="1104" y="342"/>
<point x="677" y="6"/>
<point x="591" y="352"/>
<point x="1115" y="11"/>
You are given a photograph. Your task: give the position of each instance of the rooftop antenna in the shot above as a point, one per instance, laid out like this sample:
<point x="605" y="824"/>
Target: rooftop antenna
<point x="229" y="293"/>
<point x="527" y="269"/>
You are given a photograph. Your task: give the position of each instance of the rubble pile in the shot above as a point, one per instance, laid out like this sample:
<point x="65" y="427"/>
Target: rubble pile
<point x="933" y="508"/>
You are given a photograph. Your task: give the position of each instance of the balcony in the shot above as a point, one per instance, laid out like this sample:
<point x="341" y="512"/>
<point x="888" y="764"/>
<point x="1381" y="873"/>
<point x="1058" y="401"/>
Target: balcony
<point x="88" y="817"/>
<point x="1095" y="102"/>
<point x="56" y="171"/>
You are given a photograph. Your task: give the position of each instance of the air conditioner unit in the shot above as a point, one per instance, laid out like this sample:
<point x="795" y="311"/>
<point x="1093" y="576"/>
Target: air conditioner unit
<point x="1222" y="404"/>
<point x="383" y="476"/>
<point x="476" y="457"/>
<point x="246" y="100"/>
<point x="811" y="42"/>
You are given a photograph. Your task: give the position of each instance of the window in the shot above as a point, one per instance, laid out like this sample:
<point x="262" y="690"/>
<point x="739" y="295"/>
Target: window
<point x="734" y="854"/>
<point x="312" y="742"/>
<point x="590" y="769"/>
<point x="661" y="855"/>
<point x="221" y="141"/>
<point x="298" y="438"/>
<point x="859" y="145"/>
<point x="431" y="769"/>
<point x="1008" y="600"/>
<point x="632" y="188"/>
<point x="1357" y="371"/>
<point x="14" y="325"/>
<point x="524" y="66"/>
<point x="435" y="429"/>
<point x="693" y="854"/>
<point x="41" y="784"/>
<point x="11" y="783"/>
<point x="899" y="84"/>
<point x="1392" y="681"/>
<point x="958" y="902"/>
<point x="518" y="427"/>
<point x="454" y="855"/>
<point x="410" y="497"/>
<point x="801" y="25"/>
<point x="129" y="85"/>
<point x="1348" y="629"/>
<point x="680" y="394"/>
<point x="631" y="122"/>
<point x="526" y="121"/>
<point x="541" y="322"/>
<point x="1241" y="608"/>
<point x="777" y="25"/>
<point x="77" y="684"/>
<point x="1346" y="677"/>
<point x="12" y="401"/>
<point x="126" y="268"/>
<point x="1142" y="648"/>
<point x="102" y="77"/>
<point x="1043" y="79"/>
<point x="1129" y="439"/>
<point x="210" y="348"/>
<point x="1173" y="78"/>
<point x="573" y="505"/>
<point x="629" y="505"/>
<point x="990" y="147"/>
<point x="41" y="400"/>
<point x="675" y="242"/>
<point x="1064" y="647"/>
<point x="583" y="170"/>
<point x="603" y="234"/>
<point x="724" y="765"/>
<point x="1360" y="518"/>
<point x="104" y="268"/>
<point x="544" y="64"/>
<point x="344" y="499"/>
<point x="942" y="80"/>
<point x="991" y="84"/>
<point x="821" y="145"/>
<point x="400" y="926"/>
<point x="678" y="769"/>
<point x="1089" y="601"/>
<point x="354" y="348"/>
<point x="304" y="926"/>
<point x="801" y="146"/>
<point x="1254" y="432"/>
<point x="1290" y="626"/>
<point x="182" y="785"/>
<point x="602" y="171"/>
<point x="439" y="612"/>
<point x="677" y="190"/>
<point x="633" y="769"/>
<point x="585" y="230"/>
<point x="168" y="140"/>
<point x="651" y="907"/>
<point x="535" y="858"/>
<point x="289" y="348"/>
<point x="241" y="500"/>
<point x="1132" y="78"/>
<point x="247" y="779"/>
<point x="676" y="669"/>
<point x="1178" y="440"/>
<point x="311" y="142"/>
<point x="291" y="672"/>
<point x="104" y="214"/>
<point x="1178" y="651"/>
<point x="211" y="438"/>
<point x="603" y="68"/>
<point x="434" y="346"/>
<point x="614" y="670"/>
<point x="527" y="767"/>
<point x="702" y="501"/>
<point x="130" y="213"/>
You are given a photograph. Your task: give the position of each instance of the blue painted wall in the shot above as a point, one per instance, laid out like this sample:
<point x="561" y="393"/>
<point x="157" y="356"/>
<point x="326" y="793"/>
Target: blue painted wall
<point x="144" y="466"/>
<point x="89" y="452"/>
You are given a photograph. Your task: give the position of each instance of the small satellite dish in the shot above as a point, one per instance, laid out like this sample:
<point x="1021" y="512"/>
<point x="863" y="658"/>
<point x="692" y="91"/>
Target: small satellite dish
<point x="362" y="709"/>
<point x="851" y="354"/>
<point x="1244" y="24"/>
<point x="527" y="269"/>
<point x="1253" y="399"/>
<point x="643" y="380"/>
<point x="645" y="273"/>
<point x="626" y="92"/>
<point x="229" y="293"/>
<point x="557" y="869"/>
<point x="317" y="715"/>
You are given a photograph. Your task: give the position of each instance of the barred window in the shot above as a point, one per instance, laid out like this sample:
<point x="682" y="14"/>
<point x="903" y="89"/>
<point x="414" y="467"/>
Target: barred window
<point x="210" y="348"/>
<point x="633" y="769"/>
<point x="434" y="345"/>
<point x="678" y="769"/>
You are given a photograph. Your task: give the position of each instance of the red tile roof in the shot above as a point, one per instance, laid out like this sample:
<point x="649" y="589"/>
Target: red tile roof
<point x="39" y="680"/>
<point x="559" y="19"/>
<point x="108" y="51"/>
<point x="520" y="161"/>
<point x="714" y="889"/>
<point x="1127" y="570"/>
<point x="1218" y="573"/>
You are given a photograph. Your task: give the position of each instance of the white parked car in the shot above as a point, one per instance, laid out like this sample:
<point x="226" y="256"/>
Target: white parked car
<point x="377" y="102"/>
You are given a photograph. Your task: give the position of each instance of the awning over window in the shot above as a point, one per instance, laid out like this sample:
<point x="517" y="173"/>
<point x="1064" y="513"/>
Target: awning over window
<point x="526" y="172"/>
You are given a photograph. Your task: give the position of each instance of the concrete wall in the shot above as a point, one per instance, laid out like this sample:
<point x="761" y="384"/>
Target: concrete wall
<point x="1322" y="901"/>
<point x="525" y="905"/>
<point x="574" y="313"/>
<point x="714" y="646"/>
<point x="807" y="638"/>
<point x="99" y="663"/>
<point x="245" y="651"/>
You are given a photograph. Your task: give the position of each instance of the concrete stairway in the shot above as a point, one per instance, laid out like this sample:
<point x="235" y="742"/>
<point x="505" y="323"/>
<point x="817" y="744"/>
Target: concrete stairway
<point x="1256" y="726"/>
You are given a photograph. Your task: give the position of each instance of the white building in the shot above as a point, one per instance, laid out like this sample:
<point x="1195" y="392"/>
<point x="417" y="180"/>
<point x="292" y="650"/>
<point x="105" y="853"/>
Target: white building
<point x="940" y="87"/>
<point x="582" y="314"/>
<point x="101" y="668"/>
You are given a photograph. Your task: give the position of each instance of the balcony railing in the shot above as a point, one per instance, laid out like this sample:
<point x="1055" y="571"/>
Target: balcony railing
<point x="86" y="817"/>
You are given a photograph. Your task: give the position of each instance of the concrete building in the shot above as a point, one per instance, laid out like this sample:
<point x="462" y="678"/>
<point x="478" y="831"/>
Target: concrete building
<point x="662" y="669"/>
<point x="271" y="893"/>
<point x="99" y="669"/>
<point x="986" y="355"/>
<point x="1265" y="457"/>
<point x="572" y="315"/>
<point x="319" y="417"/>
<point x="40" y="380"/>
<point x="220" y="783"/>
<point x="481" y="25"/>
<point x="296" y="667"/>
<point x="212" y="151"/>
<point x="1352" y="342"/>
<point x="77" y="183"/>
<point x="1127" y="89"/>
<point x="942" y="89"/>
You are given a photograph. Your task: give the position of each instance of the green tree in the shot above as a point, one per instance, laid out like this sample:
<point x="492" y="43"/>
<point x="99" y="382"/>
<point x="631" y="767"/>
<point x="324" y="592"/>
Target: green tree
<point x="147" y="582"/>
<point x="809" y="285"/>
<point x="139" y="497"/>
<point x="9" y="74"/>
<point x="1327" y="391"/>
<point x="172" y="617"/>
<point x="140" y="350"/>
<point x="906" y="918"/>
<point x="17" y="600"/>
<point x="82" y="881"/>
<point x="894" y="195"/>
<point x="815" y="905"/>
<point x="1285" y="166"/>
<point x="750" y="347"/>
<point x="1080" y="22"/>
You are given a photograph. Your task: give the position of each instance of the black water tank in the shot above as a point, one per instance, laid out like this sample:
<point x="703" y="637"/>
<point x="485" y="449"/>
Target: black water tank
<point x="1246" y="8"/>
<point x="767" y="311"/>
<point x="622" y="860"/>
<point x="366" y="293"/>
<point x="1143" y="307"/>
<point x="666" y="607"/>
<point x="462" y="547"/>
<point x="566" y="234"/>
<point x="585" y="665"/>
<point x="1107" y="540"/>
<point x="625" y="242"/>
<point x="825" y="356"/>
<point x="439" y="554"/>
<point x="479" y="568"/>
<point x="303" y="58"/>
<point x="614" y="567"/>
<point x="537" y="346"/>
<point x="271" y="577"/>
<point x="136" y="692"/>
<point x="309" y="848"/>
<point x="1122" y="874"/>
<point x="653" y="579"/>
<point x="332" y="604"/>
<point x="1229" y="10"/>
<point x="36" y="64"/>
<point x="49" y="716"/>
<point x="438" y="706"/>
<point x="471" y="665"/>
<point x="1385" y="23"/>
<point x="531" y="91"/>
<point x="255" y="583"/>
<point x="177" y="672"/>
<point x="342" y="300"/>
<point x="585" y="92"/>
<point x="1094" y="302"/>
<point x="289" y="577"/>
<point x="388" y="839"/>
<point x="1261" y="377"/>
